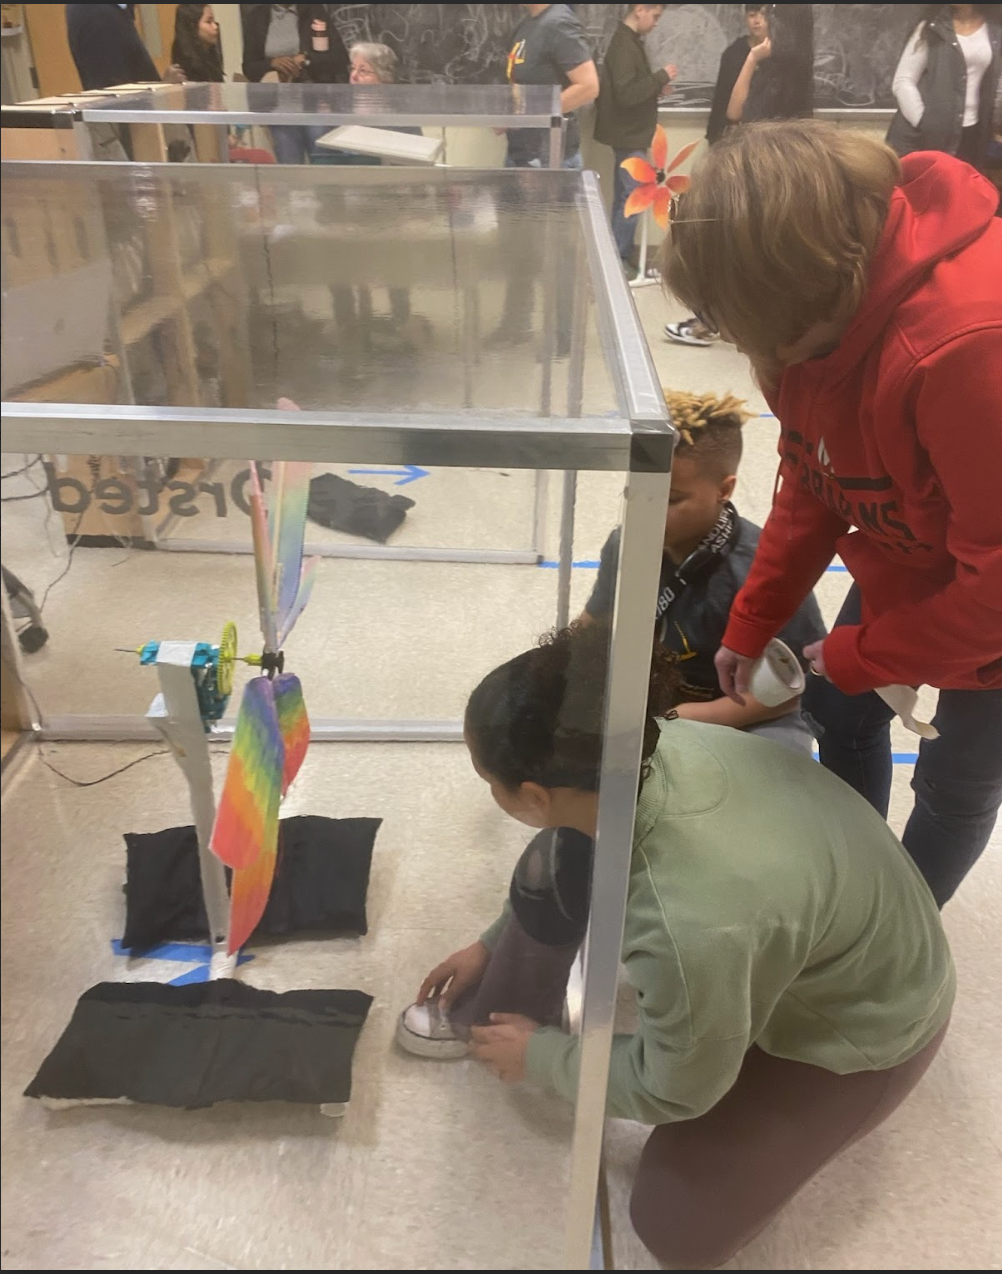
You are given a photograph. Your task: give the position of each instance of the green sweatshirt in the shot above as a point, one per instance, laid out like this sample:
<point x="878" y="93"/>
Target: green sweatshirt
<point x="768" y="905"/>
<point x="627" y="108"/>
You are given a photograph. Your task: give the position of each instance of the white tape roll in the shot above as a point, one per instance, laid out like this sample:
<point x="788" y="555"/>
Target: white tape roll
<point x="776" y="676"/>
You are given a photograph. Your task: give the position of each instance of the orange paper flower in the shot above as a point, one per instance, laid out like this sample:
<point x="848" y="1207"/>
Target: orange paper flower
<point x="657" y="183"/>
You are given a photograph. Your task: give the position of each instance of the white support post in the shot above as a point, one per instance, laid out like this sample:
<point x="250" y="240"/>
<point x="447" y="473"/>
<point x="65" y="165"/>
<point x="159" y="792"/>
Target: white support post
<point x="175" y="714"/>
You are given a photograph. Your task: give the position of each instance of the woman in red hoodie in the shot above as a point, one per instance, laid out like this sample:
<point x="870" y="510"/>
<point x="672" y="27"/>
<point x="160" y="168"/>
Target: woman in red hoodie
<point x="867" y="292"/>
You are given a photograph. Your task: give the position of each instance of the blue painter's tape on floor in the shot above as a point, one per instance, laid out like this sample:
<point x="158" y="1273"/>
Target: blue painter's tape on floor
<point x="178" y="953"/>
<point x="899" y="758"/>
<point x="592" y="564"/>
<point x="586" y="564"/>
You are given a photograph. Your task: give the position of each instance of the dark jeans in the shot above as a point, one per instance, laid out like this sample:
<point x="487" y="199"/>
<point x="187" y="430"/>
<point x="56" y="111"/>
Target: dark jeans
<point x="957" y="780"/>
<point x="623" y="228"/>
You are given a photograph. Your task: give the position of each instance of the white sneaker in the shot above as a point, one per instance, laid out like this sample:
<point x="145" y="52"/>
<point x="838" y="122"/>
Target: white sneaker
<point x="425" y="1030"/>
<point x="689" y="332"/>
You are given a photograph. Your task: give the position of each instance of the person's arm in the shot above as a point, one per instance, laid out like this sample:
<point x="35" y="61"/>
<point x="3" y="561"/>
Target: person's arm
<point x="796" y="545"/>
<point x="739" y="93"/>
<point x="254" y="22"/>
<point x="141" y="67"/>
<point x="726" y="79"/>
<point x="955" y="634"/>
<point x="631" y="80"/>
<point x="905" y="85"/>
<point x="724" y="711"/>
<point x="664" y="1072"/>
<point x="603" y="593"/>
<point x="583" y="87"/>
<point x="569" y="51"/>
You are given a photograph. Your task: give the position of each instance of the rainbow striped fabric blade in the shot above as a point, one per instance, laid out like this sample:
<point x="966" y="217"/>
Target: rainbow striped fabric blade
<point x="264" y="563"/>
<point x="293" y="723"/>
<point x="290" y="495"/>
<point x="288" y="622"/>
<point x="249" y="893"/>
<point x="247" y="817"/>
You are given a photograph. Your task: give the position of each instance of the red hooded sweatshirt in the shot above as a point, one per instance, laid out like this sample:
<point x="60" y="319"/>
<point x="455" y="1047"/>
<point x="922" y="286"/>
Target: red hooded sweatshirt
<point x="891" y="454"/>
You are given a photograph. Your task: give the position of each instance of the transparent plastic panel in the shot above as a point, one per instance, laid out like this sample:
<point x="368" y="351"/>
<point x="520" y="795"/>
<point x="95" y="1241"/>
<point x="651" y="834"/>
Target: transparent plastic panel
<point x="437" y="1154"/>
<point x="303" y="103"/>
<point x="376" y="290"/>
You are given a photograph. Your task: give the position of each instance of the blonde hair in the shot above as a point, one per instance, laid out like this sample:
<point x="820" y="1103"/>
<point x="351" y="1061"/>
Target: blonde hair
<point x="709" y="429"/>
<point x="777" y="229"/>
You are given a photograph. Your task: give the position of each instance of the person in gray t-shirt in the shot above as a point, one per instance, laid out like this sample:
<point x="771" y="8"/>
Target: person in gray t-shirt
<point x="549" y="47"/>
<point x="708" y="551"/>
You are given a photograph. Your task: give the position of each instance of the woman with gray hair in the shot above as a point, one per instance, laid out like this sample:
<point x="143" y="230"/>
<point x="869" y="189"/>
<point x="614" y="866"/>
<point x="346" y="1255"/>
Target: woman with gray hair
<point x="354" y="320"/>
<point x="373" y="64"/>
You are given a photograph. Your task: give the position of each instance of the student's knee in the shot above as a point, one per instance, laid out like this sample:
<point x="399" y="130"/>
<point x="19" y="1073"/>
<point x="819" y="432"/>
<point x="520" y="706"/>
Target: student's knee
<point x="681" y="1238"/>
<point x="946" y="793"/>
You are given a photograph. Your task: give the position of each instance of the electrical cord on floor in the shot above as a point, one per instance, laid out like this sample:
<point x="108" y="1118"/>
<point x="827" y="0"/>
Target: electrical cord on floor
<point x="16" y="473"/>
<point x="32" y="495"/>
<point x="147" y="756"/>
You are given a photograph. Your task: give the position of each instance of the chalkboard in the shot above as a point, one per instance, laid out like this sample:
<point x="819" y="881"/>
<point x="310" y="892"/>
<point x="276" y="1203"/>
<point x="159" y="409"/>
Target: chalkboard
<point x="856" y="46"/>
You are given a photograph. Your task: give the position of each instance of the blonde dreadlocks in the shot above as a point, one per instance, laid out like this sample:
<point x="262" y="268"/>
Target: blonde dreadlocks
<point x="709" y="428"/>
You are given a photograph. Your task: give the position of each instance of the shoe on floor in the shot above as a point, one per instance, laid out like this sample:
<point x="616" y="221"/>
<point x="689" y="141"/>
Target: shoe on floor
<point x="425" y="1030"/>
<point x="689" y="332"/>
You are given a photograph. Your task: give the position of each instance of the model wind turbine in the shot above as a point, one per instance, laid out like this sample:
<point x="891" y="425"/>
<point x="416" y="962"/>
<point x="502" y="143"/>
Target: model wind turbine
<point x="272" y="730"/>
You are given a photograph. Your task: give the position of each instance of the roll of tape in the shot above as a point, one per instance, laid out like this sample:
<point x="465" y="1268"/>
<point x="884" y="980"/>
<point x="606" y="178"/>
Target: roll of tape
<point x="776" y="676"/>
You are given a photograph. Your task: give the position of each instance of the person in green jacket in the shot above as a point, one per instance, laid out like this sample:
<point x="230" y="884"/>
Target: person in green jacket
<point x="627" y="110"/>
<point x="792" y="977"/>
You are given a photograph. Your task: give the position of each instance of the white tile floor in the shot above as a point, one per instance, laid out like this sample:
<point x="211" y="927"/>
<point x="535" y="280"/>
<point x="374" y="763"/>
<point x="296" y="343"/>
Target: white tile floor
<point x="431" y="1168"/>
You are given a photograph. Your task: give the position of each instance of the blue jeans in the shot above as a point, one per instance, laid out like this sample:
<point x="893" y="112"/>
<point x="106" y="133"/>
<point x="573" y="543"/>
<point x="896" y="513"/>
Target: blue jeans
<point x="623" y="185"/>
<point x="292" y="143"/>
<point x="573" y="162"/>
<point x="957" y="780"/>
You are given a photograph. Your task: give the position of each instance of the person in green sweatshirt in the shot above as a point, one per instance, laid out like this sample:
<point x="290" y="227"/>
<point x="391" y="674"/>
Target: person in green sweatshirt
<point x="627" y="109"/>
<point x="792" y="977"/>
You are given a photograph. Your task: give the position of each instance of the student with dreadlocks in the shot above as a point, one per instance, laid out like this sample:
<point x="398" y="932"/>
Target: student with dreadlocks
<point x="708" y="552"/>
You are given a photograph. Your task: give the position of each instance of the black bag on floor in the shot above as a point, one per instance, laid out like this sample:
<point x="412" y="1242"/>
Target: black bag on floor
<point x="341" y="505"/>
<point x="320" y="884"/>
<point x="195" y="1045"/>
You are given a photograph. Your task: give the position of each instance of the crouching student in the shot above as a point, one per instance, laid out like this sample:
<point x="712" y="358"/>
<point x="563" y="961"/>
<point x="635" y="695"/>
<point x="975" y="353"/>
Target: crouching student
<point x="792" y="976"/>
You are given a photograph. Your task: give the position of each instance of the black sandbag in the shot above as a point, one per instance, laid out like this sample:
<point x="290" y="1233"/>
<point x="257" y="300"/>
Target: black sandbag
<point x="341" y="505"/>
<point x="320" y="884"/>
<point x="192" y="1046"/>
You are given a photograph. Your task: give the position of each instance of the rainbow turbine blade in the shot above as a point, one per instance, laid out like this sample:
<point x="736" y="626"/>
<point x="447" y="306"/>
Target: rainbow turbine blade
<point x="293" y="723"/>
<point x="248" y="808"/>
<point x="264" y="563"/>
<point x="290" y="497"/>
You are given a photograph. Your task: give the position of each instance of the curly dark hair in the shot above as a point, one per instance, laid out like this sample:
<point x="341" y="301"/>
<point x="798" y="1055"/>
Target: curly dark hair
<point x="200" y="62"/>
<point x="539" y="717"/>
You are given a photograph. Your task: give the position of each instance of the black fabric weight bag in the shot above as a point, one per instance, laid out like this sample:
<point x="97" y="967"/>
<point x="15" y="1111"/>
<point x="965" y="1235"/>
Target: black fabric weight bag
<point x="320" y="884"/>
<point x="341" y="505"/>
<point x="192" y="1046"/>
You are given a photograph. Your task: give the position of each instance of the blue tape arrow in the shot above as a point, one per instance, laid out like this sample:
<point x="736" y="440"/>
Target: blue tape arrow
<point x="409" y="473"/>
<point x="178" y="953"/>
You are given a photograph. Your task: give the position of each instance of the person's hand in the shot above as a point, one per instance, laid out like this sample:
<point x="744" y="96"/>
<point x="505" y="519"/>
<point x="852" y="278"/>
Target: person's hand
<point x="502" y="1046"/>
<point x="455" y="974"/>
<point x="759" y="52"/>
<point x="671" y="70"/>
<point x="499" y="132"/>
<point x="733" y="672"/>
<point x="288" y="67"/>
<point x="174" y="74"/>
<point x="815" y="656"/>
